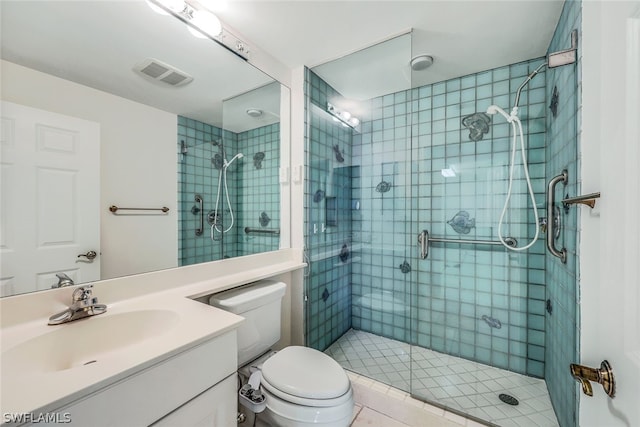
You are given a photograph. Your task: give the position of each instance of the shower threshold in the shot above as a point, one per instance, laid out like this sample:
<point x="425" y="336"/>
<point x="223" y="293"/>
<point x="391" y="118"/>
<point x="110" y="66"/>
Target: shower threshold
<point x="454" y="383"/>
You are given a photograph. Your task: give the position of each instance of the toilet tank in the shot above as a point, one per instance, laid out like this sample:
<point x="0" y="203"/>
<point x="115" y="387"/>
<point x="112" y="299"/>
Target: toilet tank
<point x="260" y="304"/>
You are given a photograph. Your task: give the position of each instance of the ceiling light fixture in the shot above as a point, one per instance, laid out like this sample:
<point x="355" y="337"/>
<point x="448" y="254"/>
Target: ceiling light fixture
<point x="254" y="112"/>
<point x="207" y="24"/>
<point x="202" y="23"/>
<point x="421" y="62"/>
<point x="343" y="116"/>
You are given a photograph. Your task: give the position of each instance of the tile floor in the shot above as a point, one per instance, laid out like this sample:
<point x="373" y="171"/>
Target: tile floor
<point x="460" y="385"/>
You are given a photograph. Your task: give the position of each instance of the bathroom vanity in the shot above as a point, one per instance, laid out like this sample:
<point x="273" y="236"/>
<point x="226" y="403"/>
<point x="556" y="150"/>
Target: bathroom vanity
<point x="157" y="357"/>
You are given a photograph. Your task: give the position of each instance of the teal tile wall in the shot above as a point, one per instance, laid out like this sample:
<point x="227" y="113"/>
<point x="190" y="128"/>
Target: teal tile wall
<point x="383" y="228"/>
<point x="458" y="284"/>
<point x="196" y="175"/>
<point x="562" y="279"/>
<point x="258" y="188"/>
<point x="251" y="190"/>
<point x="328" y="212"/>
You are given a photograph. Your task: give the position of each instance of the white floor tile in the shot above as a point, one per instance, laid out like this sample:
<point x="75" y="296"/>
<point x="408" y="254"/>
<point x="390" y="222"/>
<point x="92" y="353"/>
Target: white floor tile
<point x="462" y="385"/>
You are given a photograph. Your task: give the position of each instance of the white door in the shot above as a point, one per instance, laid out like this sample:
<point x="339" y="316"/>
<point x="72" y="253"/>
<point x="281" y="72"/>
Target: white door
<point x="610" y="234"/>
<point x="49" y="213"/>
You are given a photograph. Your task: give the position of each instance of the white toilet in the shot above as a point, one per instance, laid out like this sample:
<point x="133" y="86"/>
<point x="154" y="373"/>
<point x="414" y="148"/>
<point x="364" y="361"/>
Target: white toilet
<point x="302" y="386"/>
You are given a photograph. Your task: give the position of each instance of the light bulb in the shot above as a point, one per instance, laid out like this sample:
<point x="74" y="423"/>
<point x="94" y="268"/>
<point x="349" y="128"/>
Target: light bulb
<point x="345" y="115"/>
<point x="207" y="24"/>
<point x="354" y="121"/>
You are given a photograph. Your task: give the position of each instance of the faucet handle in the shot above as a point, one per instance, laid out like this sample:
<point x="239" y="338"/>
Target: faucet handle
<point x="82" y="293"/>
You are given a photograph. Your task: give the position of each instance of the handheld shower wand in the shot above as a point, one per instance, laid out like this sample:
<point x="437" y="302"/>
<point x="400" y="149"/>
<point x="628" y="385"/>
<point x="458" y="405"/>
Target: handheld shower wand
<point x="516" y="127"/>
<point x="223" y="177"/>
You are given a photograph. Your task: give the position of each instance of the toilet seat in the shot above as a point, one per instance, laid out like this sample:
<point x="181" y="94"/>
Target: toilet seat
<point x="307" y="377"/>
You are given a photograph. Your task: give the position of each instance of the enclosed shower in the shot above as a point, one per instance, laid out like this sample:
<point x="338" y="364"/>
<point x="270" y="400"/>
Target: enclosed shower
<point x="224" y="193"/>
<point x="406" y="222"/>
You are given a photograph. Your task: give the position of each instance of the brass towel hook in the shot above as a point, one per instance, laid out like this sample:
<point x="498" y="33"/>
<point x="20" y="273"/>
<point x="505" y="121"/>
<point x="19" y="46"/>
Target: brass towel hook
<point x="584" y="375"/>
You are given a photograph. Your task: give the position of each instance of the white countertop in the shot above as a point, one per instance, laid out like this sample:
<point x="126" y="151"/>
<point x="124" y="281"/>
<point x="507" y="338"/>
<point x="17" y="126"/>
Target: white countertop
<point x="25" y="390"/>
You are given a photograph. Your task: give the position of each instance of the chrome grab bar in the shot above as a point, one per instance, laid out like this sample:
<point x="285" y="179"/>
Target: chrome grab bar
<point x="113" y="209"/>
<point x="551" y="223"/>
<point x="200" y="230"/>
<point x="249" y="230"/>
<point x="424" y="239"/>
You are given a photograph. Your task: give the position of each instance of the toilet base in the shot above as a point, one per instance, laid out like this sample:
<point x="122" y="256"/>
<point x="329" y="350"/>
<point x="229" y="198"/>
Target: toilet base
<point x="284" y="414"/>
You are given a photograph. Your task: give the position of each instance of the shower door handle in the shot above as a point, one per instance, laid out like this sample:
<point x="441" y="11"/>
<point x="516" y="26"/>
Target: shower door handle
<point x="423" y="242"/>
<point x="551" y="224"/>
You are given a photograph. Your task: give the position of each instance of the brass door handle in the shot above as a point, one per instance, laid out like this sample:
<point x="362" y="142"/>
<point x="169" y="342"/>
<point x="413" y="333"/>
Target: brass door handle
<point x="91" y="255"/>
<point x="584" y="375"/>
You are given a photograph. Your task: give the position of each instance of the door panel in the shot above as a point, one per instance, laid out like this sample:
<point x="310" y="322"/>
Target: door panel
<point x="50" y="179"/>
<point x="610" y="248"/>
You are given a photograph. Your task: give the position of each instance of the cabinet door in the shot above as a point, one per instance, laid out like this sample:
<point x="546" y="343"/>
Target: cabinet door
<point x="216" y="407"/>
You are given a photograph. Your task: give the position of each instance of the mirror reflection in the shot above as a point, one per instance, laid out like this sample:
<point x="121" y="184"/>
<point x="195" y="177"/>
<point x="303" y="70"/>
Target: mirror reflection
<point x="111" y="104"/>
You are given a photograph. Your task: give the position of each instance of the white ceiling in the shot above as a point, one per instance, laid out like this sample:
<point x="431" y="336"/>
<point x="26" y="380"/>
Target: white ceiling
<point x="97" y="43"/>
<point x="464" y="37"/>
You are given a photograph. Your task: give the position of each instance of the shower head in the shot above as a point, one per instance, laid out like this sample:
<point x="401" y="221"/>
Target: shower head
<point x="237" y="156"/>
<point x="493" y="109"/>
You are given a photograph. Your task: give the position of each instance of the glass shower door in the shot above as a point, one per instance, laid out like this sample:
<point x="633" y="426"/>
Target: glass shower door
<point x="479" y="322"/>
<point x="358" y="224"/>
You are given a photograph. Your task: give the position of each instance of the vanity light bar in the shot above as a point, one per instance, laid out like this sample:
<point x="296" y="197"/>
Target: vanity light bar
<point x="343" y="116"/>
<point x="202" y="23"/>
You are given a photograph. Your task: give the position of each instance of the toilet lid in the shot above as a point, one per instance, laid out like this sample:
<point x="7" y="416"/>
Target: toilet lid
<point x="306" y="373"/>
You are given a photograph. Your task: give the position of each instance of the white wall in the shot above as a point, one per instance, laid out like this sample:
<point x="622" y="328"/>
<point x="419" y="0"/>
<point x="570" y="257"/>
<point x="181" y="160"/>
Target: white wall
<point x="138" y="166"/>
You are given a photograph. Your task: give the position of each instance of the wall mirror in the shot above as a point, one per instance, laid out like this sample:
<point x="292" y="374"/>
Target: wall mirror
<point x="112" y="104"/>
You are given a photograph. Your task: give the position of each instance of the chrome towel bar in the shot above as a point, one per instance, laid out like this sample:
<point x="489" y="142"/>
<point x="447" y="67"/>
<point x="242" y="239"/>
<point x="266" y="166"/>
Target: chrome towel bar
<point x="274" y="231"/>
<point x="115" y="209"/>
<point x="424" y="239"/>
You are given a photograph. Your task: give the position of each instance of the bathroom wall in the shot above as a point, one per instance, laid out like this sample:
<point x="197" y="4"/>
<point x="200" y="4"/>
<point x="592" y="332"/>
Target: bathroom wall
<point x="259" y="189"/>
<point x="562" y="279"/>
<point x="135" y="171"/>
<point x="328" y="218"/>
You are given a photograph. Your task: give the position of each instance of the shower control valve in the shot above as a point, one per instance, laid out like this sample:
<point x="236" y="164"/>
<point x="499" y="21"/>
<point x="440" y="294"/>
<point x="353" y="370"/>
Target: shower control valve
<point x="542" y="222"/>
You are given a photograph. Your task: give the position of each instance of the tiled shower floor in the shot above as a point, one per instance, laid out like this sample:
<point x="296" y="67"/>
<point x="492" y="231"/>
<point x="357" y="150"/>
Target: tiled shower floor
<point x="459" y="384"/>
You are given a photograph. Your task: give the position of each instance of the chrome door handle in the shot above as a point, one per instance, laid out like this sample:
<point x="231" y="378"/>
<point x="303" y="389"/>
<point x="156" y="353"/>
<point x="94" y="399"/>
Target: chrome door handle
<point x="423" y="241"/>
<point x="91" y="255"/>
<point x="584" y="375"/>
<point x="554" y="225"/>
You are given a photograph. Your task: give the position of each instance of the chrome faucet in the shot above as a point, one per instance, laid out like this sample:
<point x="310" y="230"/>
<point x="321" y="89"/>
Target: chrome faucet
<point x="63" y="280"/>
<point x="82" y="305"/>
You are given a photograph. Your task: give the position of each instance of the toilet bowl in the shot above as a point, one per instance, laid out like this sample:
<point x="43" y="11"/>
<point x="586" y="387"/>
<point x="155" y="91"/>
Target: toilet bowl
<point x="302" y="386"/>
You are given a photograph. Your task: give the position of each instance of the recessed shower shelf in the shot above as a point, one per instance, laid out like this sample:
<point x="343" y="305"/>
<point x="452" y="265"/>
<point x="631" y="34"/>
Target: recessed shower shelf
<point x="586" y="199"/>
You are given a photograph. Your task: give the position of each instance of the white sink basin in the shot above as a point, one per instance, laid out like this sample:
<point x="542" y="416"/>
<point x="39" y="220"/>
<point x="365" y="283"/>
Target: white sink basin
<point x="88" y="341"/>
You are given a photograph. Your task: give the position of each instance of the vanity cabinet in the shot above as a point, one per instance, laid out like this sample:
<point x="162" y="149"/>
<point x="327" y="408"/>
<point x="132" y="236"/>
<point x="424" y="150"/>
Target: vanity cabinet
<point x="195" y="386"/>
<point x="215" y="407"/>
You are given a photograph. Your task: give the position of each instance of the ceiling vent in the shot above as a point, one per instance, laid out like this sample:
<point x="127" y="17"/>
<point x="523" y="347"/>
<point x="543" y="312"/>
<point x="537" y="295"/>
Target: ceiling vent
<point x="158" y="71"/>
